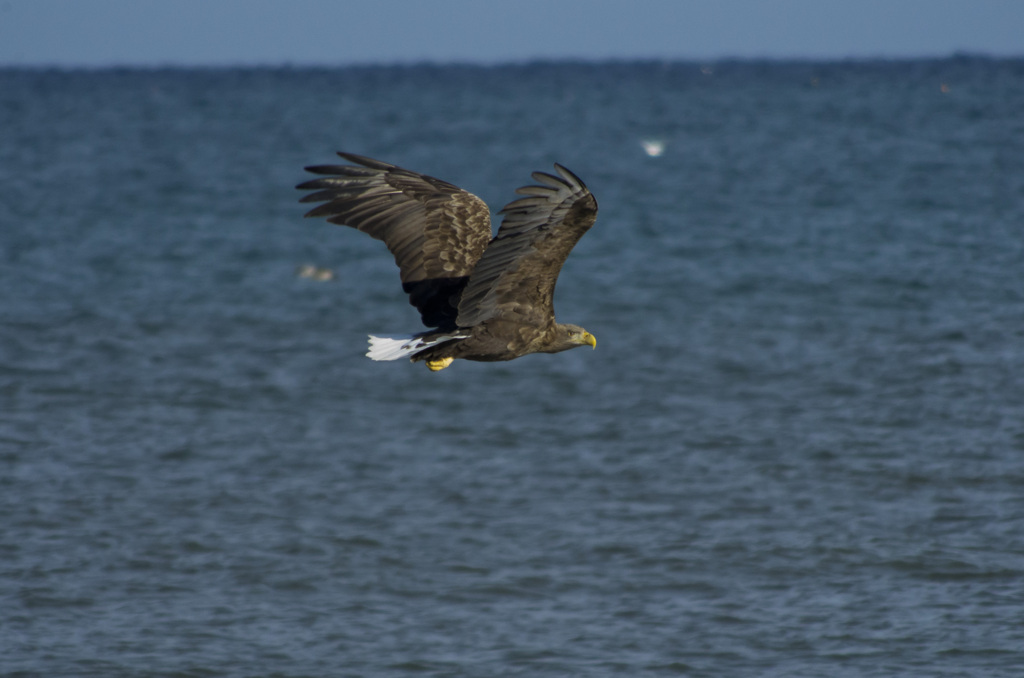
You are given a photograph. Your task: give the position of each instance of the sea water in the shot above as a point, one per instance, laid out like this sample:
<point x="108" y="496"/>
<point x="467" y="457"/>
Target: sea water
<point x="798" y="449"/>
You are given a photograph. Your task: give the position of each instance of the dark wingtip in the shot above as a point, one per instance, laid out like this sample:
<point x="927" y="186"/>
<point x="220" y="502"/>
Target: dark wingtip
<point x="365" y="162"/>
<point x="567" y="173"/>
<point x="312" y="184"/>
<point x="323" y="169"/>
<point x="313" y="169"/>
<point x="345" y="170"/>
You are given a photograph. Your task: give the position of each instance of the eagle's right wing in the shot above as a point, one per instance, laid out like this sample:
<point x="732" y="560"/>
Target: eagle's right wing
<point x="436" y="231"/>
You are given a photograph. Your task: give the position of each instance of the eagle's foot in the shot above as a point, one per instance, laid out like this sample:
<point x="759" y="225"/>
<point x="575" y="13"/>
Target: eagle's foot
<point x="438" y="365"/>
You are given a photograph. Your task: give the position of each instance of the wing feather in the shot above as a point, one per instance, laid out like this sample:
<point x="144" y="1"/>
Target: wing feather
<point x="436" y="231"/>
<point x="517" y="273"/>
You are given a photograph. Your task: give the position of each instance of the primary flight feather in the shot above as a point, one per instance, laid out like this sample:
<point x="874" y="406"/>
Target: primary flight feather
<point x="483" y="298"/>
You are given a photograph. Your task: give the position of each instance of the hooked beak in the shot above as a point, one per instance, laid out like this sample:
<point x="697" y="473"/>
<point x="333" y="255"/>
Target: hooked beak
<point x="590" y="339"/>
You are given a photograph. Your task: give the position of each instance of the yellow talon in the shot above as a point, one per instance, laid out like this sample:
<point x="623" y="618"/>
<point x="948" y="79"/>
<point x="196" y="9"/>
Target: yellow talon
<point x="438" y="365"/>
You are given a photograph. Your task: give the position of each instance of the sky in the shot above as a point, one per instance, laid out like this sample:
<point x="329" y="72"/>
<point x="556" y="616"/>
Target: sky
<point x="97" y="33"/>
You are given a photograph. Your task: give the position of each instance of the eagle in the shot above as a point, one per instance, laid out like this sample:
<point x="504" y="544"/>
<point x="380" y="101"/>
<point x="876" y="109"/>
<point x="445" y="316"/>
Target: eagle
<point x="483" y="298"/>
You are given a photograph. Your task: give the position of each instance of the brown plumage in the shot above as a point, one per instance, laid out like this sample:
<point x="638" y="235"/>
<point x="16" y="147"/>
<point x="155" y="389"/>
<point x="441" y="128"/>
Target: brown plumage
<point x="484" y="298"/>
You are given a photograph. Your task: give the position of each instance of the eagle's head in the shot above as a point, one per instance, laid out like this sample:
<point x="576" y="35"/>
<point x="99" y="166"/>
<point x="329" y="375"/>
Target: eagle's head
<point x="569" y="336"/>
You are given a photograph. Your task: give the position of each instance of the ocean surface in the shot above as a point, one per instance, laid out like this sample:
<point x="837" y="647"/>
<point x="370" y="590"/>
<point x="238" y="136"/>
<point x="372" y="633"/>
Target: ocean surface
<point x="798" y="449"/>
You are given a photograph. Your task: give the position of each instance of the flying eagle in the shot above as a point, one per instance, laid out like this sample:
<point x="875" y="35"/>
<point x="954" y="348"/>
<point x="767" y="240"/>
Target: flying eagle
<point x="483" y="298"/>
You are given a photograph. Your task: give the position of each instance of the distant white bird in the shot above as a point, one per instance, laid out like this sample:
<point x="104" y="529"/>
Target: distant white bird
<point x="653" y="147"/>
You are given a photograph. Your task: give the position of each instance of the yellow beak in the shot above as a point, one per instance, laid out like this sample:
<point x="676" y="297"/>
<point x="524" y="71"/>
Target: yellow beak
<point x="590" y="339"/>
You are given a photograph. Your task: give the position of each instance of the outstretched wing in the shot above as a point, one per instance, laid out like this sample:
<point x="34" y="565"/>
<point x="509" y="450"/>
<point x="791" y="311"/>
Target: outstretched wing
<point x="436" y="231"/>
<point x="516" y="276"/>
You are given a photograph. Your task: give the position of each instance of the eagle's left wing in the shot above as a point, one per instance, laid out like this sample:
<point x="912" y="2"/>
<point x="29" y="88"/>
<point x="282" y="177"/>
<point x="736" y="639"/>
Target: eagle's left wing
<point x="516" y="276"/>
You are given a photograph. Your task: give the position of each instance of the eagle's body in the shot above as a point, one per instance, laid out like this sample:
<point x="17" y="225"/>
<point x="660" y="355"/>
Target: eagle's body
<point x="484" y="298"/>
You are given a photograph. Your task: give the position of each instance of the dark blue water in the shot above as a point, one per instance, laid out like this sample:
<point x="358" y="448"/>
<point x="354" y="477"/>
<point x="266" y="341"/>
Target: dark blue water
<point x="798" y="449"/>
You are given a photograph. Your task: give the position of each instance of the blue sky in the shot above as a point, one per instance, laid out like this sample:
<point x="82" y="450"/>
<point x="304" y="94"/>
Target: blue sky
<point x="228" y="32"/>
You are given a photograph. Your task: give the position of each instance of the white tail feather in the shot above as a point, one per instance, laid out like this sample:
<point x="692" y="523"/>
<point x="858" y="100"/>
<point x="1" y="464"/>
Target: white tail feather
<point x="402" y="346"/>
